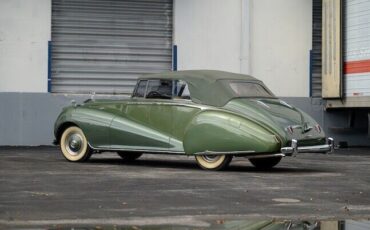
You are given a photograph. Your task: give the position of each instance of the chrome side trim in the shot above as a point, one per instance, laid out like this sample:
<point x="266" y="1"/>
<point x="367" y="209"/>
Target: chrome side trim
<point x="267" y="155"/>
<point x="136" y="150"/>
<point x="247" y="154"/>
<point x="224" y="153"/>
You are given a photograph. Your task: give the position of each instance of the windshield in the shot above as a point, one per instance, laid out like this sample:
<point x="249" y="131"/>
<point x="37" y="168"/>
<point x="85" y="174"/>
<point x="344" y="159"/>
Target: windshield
<point x="250" y="89"/>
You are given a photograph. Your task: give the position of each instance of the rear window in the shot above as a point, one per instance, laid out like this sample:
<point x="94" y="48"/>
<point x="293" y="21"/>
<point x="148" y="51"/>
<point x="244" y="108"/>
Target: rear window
<point x="249" y="89"/>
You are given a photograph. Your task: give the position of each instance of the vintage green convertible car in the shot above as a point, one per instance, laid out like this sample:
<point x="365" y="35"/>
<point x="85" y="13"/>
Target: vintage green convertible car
<point x="212" y="115"/>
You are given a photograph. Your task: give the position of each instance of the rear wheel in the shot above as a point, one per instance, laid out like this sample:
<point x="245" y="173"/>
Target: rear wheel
<point x="265" y="163"/>
<point x="213" y="162"/>
<point x="74" y="146"/>
<point x="128" y="156"/>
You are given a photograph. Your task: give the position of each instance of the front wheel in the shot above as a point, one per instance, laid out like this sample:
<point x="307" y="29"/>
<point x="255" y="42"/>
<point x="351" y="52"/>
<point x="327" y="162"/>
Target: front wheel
<point x="213" y="162"/>
<point x="74" y="146"/>
<point x="265" y="163"/>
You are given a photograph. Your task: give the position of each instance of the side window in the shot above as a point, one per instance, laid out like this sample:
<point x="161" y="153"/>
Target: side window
<point x="181" y="90"/>
<point x="161" y="89"/>
<point x="140" y="89"/>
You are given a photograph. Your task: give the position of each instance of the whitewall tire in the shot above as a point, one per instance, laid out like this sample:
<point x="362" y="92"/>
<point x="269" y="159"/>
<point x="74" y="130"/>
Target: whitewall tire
<point x="74" y="146"/>
<point x="210" y="162"/>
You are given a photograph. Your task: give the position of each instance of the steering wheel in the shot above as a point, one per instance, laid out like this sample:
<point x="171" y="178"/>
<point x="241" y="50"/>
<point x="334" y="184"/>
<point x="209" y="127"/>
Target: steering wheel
<point x="153" y="94"/>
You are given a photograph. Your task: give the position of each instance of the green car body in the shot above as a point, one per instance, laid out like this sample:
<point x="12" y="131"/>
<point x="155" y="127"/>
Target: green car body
<point x="214" y="121"/>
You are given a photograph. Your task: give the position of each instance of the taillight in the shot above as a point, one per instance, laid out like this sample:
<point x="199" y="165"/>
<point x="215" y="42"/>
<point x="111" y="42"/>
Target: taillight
<point x="290" y="129"/>
<point x="318" y="128"/>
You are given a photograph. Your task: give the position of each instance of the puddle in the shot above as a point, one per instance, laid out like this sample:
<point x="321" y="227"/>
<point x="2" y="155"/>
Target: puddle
<point x="286" y="200"/>
<point x="240" y="225"/>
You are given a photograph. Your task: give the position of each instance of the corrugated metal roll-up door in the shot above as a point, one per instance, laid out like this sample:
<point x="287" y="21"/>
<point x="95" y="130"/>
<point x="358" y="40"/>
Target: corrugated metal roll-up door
<point x="102" y="46"/>
<point x="357" y="48"/>
<point x="316" y="48"/>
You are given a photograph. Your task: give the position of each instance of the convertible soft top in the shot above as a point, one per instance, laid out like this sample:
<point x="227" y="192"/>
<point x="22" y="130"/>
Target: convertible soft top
<point x="209" y="87"/>
<point x="199" y="76"/>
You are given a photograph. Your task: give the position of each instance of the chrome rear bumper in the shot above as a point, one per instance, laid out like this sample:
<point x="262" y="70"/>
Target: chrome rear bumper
<point x="294" y="149"/>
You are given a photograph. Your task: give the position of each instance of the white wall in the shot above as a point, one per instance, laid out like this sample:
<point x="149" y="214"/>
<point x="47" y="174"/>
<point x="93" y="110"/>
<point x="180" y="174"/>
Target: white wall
<point x="207" y="33"/>
<point x="281" y="38"/>
<point x="25" y="29"/>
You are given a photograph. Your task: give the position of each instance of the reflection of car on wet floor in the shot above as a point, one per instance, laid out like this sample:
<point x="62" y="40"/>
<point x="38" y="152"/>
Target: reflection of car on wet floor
<point x="291" y="225"/>
<point x="211" y="115"/>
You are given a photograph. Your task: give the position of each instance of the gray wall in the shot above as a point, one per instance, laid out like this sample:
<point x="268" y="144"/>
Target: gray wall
<point x="27" y="119"/>
<point x="336" y="121"/>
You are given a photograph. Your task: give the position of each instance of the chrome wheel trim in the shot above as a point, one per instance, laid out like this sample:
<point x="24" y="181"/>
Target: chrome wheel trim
<point x="211" y="158"/>
<point x="213" y="162"/>
<point x="74" y="143"/>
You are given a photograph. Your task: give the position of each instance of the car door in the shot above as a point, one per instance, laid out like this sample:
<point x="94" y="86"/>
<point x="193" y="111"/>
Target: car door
<point x="138" y="127"/>
<point x="159" y="96"/>
<point x="183" y="111"/>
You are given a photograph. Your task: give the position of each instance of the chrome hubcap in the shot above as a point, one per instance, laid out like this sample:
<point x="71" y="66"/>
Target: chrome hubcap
<point x="210" y="158"/>
<point x="74" y="143"/>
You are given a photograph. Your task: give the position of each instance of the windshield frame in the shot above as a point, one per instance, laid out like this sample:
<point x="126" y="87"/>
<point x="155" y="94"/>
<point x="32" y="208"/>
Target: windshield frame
<point x="173" y="95"/>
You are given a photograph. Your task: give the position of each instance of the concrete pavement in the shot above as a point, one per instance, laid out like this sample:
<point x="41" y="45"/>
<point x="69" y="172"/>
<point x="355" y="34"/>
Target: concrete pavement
<point x="39" y="188"/>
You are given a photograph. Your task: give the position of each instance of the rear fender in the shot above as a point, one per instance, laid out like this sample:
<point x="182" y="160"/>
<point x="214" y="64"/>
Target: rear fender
<point x="224" y="132"/>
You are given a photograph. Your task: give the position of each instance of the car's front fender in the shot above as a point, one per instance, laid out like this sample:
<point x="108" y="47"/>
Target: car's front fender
<point x="63" y="118"/>
<point x="220" y="131"/>
<point x="93" y="122"/>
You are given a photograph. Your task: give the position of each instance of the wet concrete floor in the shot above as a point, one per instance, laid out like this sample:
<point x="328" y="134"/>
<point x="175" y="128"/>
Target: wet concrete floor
<point x="39" y="188"/>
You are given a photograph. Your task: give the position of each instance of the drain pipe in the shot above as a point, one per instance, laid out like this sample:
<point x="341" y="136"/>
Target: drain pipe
<point x="245" y="36"/>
